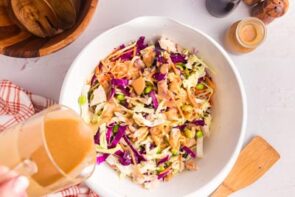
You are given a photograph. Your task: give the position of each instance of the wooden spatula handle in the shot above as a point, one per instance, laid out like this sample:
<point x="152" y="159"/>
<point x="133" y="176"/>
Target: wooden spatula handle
<point x="254" y="160"/>
<point x="222" y="191"/>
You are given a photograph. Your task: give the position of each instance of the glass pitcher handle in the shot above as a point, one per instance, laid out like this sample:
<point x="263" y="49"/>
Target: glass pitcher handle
<point x="26" y="168"/>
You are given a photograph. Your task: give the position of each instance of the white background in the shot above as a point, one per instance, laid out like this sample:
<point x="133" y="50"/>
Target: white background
<point x="268" y="74"/>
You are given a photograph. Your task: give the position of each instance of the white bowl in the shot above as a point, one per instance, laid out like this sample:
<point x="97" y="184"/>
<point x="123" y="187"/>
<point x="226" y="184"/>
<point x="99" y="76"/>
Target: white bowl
<point x="221" y="149"/>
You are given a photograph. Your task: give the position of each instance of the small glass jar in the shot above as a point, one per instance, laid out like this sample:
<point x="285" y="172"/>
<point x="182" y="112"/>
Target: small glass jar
<point x="245" y="35"/>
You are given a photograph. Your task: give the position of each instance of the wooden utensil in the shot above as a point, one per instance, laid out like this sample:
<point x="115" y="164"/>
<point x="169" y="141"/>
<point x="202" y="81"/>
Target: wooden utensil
<point x="10" y="33"/>
<point x="77" y="4"/>
<point x="36" y="17"/>
<point x="20" y="43"/>
<point x="65" y="11"/>
<point x="254" y="160"/>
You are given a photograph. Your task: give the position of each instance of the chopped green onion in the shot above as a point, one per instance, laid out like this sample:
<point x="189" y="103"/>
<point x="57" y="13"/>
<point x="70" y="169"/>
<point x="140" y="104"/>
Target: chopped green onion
<point x="148" y="89"/>
<point x="189" y="133"/>
<point x="116" y="128"/>
<point x="120" y="97"/>
<point x="159" y="151"/>
<point x="161" y="168"/>
<point x="94" y="119"/>
<point x="185" y="51"/>
<point x="200" y="86"/>
<point x="181" y="66"/>
<point x="174" y="152"/>
<point x="82" y="100"/>
<point x="148" y="83"/>
<point x="186" y="73"/>
<point x="100" y="112"/>
<point x="94" y="87"/>
<point x="91" y="96"/>
<point x="199" y="134"/>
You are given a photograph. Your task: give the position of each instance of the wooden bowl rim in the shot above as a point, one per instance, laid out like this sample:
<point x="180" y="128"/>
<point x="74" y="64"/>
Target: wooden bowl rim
<point x="52" y="48"/>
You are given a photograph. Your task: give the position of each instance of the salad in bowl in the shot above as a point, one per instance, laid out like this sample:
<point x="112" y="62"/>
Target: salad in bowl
<point x="150" y="104"/>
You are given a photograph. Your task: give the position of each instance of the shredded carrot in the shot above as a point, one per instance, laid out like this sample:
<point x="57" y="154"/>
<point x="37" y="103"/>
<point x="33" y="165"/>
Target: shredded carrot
<point x="210" y="83"/>
<point x="120" y="52"/>
<point x="177" y="106"/>
<point x="193" y="102"/>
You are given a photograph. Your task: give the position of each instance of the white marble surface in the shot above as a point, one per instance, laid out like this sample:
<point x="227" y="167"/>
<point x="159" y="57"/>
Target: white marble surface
<point x="268" y="75"/>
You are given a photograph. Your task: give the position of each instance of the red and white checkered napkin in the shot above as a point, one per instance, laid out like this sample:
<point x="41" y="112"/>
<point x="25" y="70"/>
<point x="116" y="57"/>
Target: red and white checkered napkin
<point x="16" y="105"/>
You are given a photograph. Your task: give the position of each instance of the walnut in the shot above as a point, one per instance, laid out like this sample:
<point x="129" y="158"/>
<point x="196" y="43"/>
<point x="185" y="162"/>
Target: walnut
<point x="268" y="10"/>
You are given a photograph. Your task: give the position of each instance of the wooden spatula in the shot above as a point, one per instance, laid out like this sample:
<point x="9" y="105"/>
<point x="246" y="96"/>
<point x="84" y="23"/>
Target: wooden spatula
<point x="254" y="160"/>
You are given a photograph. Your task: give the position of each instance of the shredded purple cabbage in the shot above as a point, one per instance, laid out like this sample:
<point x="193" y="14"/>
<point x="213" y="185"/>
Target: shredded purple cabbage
<point x="100" y="65"/>
<point x="142" y="150"/>
<point x="154" y="99"/>
<point x="137" y="155"/>
<point x="181" y="127"/>
<point x="118" y="136"/>
<point x="189" y="151"/>
<point x="93" y="81"/>
<point x="199" y="122"/>
<point x="123" y="83"/>
<point x="177" y="58"/>
<point x="159" y="76"/>
<point x="100" y="159"/>
<point x="163" y="160"/>
<point x="112" y="93"/>
<point x="140" y="44"/>
<point x="162" y="60"/>
<point x="124" y="157"/>
<point x="126" y="56"/>
<point x="125" y="91"/>
<point x="122" y="46"/>
<point x="96" y="137"/>
<point x="201" y="79"/>
<point x="109" y="132"/>
<point x="163" y="174"/>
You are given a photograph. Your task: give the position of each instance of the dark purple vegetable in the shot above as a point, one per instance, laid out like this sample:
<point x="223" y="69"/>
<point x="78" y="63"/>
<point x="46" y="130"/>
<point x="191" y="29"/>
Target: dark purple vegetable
<point x="163" y="160"/>
<point x="96" y="137"/>
<point x="100" y="159"/>
<point x="93" y="81"/>
<point x="162" y="175"/>
<point x="100" y="65"/>
<point x="125" y="91"/>
<point x="177" y="58"/>
<point x="137" y="155"/>
<point x="200" y="80"/>
<point x="199" y="122"/>
<point x="152" y="146"/>
<point x="140" y="44"/>
<point x="142" y="150"/>
<point x="122" y="46"/>
<point x="159" y="76"/>
<point x="162" y="60"/>
<point x="189" y="151"/>
<point x="120" y="82"/>
<point x="118" y="136"/>
<point x="181" y="127"/>
<point x="109" y="132"/>
<point x="112" y="93"/>
<point x="154" y="99"/>
<point x="126" y="56"/>
<point x="124" y="157"/>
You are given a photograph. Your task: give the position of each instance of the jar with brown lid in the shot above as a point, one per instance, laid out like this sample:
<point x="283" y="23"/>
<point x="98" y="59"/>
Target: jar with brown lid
<point x="245" y="35"/>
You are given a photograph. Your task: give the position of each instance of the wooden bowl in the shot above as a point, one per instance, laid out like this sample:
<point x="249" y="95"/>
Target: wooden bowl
<point x="16" y="42"/>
